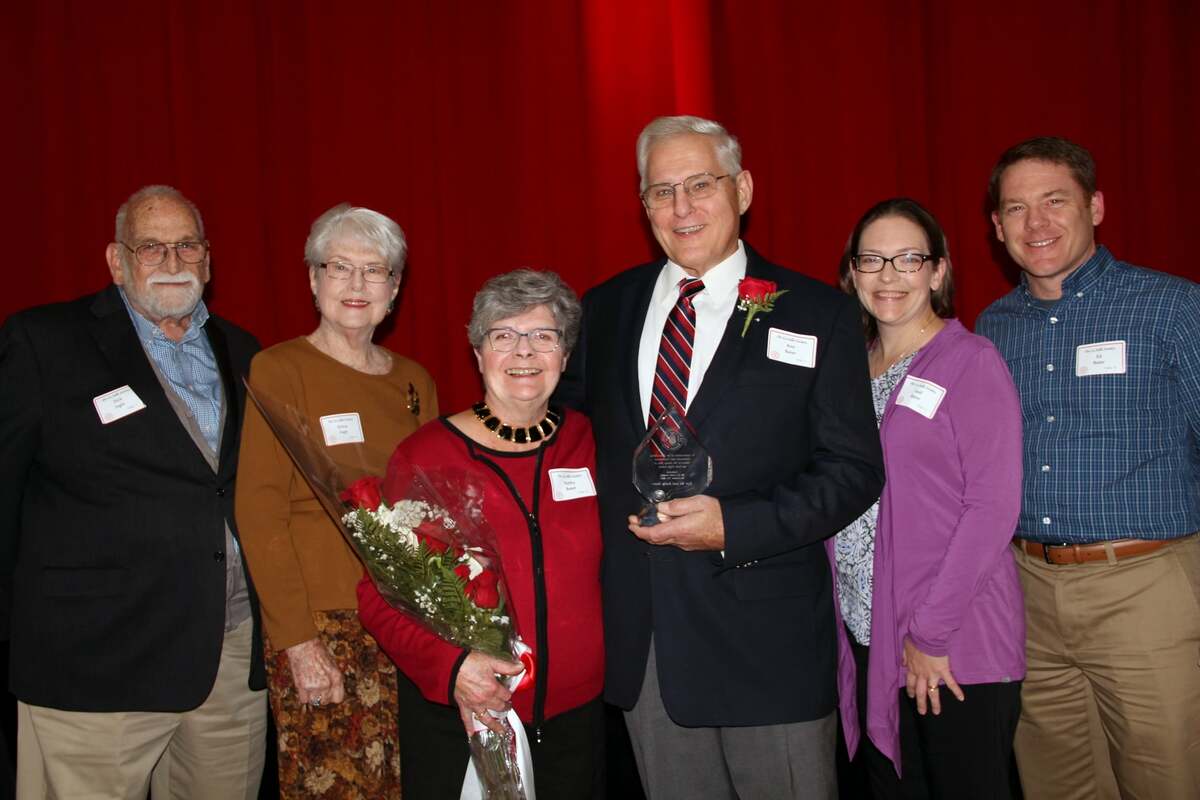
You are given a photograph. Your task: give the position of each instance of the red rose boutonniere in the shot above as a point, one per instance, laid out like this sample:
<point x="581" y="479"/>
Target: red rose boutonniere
<point x="756" y="296"/>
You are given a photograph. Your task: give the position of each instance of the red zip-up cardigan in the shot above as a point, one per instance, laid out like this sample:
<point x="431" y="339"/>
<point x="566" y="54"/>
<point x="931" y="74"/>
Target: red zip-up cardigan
<point x="550" y="551"/>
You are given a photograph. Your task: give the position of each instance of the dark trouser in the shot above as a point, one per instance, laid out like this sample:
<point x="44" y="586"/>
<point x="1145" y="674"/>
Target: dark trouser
<point x="567" y="763"/>
<point x="966" y="751"/>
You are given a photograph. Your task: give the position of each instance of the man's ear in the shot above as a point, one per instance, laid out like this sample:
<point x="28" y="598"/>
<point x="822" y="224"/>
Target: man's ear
<point x="1097" y="207"/>
<point x="112" y="254"/>
<point x="745" y="190"/>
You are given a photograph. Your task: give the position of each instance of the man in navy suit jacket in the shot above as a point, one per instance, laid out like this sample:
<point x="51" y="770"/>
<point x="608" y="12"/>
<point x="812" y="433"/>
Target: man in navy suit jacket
<point x="719" y="621"/>
<point x="135" y="650"/>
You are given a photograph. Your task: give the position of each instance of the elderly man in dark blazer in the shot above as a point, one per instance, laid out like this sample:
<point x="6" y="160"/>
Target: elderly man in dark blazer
<point x="719" y="620"/>
<point x="135" y="652"/>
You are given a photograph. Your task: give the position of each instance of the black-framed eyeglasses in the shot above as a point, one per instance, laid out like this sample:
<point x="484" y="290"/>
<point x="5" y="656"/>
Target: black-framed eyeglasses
<point x="698" y="187"/>
<point x="152" y="254"/>
<point x="541" y="340"/>
<point x="372" y="273"/>
<point x="901" y="262"/>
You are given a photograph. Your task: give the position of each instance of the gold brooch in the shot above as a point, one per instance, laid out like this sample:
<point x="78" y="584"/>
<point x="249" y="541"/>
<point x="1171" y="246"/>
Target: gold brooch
<point x="414" y="401"/>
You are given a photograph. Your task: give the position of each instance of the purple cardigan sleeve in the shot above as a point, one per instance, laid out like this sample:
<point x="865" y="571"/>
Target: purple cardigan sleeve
<point x="985" y="414"/>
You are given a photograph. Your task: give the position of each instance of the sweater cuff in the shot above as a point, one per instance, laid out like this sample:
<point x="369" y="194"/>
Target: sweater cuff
<point x="458" y="662"/>
<point x="937" y="650"/>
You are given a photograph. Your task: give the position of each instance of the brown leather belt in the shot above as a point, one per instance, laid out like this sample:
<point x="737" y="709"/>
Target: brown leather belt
<point x="1082" y="553"/>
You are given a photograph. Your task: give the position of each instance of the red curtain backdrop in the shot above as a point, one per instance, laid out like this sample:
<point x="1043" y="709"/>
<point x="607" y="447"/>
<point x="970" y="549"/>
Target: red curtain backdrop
<point x="501" y="134"/>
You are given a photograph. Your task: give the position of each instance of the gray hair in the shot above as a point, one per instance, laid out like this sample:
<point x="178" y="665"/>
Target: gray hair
<point x="153" y="192"/>
<point x="729" y="152"/>
<point x="516" y="292"/>
<point x="362" y="225"/>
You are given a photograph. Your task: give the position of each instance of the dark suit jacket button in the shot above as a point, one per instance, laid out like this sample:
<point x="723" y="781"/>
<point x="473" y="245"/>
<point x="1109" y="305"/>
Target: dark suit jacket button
<point x="219" y="555"/>
<point x="221" y="492"/>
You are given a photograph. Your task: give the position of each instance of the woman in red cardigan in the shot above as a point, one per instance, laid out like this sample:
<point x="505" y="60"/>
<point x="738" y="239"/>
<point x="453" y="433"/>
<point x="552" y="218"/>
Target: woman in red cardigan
<point x="536" y="465"/>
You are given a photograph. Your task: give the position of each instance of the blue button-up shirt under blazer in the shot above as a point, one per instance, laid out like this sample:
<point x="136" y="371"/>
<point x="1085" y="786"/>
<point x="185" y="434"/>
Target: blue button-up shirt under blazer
<point x="1109" y="378"/>
<point x="189" y="365"/>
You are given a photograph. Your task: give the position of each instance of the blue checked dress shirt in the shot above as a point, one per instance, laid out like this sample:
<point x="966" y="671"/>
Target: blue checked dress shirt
<point x="1108" y="456"/>
<point x="189" y="365"/>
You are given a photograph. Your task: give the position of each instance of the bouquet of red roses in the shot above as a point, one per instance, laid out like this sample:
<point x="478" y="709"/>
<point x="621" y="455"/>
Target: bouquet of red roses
<point x="437" y="563"/>
<point x="432" y="556"/>
<point x="434" y="562"/>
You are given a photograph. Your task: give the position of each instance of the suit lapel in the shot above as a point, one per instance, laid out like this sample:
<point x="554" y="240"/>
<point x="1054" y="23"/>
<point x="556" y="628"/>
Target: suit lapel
<point x="232" y="389"/>
<point x="723" y="371"/>
<point x="631" y="320"/>
<point x="117" y="340"/>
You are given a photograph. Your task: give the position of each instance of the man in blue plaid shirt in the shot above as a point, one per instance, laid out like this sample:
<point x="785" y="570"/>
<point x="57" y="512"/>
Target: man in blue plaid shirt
<point x="1106" y="357"/>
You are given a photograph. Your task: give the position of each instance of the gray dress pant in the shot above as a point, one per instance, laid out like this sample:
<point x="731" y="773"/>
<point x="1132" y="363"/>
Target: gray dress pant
<point x="763" y="762"/>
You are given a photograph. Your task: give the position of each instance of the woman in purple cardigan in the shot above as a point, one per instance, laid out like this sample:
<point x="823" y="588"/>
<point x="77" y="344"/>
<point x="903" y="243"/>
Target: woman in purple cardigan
<point x="926" y="583"/>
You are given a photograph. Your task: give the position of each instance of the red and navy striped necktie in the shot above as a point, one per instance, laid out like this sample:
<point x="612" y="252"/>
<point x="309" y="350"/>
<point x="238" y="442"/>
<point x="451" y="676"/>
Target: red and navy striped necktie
<point x="674" y="364"/>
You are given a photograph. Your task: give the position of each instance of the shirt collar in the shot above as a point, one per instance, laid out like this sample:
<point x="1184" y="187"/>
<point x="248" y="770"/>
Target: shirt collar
<point x="720" y="282"/>
<point x="147" y="331"/>
<point x="1082" y="279"/>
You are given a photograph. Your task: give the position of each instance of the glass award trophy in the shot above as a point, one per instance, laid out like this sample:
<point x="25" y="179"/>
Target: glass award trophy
<point x="670" y="462"/>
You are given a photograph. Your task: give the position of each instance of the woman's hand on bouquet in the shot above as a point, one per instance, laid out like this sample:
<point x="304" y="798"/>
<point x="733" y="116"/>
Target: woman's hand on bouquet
<point x="923" y="675"/>
<point x="315" y="674"/>
<point x="476" y="690"/>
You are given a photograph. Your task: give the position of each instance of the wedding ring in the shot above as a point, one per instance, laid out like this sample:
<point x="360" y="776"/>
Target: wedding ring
<point x="933" y="688"/>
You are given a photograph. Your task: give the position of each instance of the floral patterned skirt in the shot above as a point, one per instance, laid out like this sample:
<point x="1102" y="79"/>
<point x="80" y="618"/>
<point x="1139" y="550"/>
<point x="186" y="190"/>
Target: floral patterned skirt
<point x="347" y="750"/>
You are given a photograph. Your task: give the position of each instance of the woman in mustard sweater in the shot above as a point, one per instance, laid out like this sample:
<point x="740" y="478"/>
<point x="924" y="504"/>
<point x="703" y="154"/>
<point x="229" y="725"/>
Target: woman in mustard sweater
<point x="333" y="694"/>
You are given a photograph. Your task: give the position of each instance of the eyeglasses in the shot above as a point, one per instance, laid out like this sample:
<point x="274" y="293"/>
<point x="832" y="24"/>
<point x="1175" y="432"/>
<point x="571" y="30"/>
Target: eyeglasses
<point x="901" y="262"/>
<point x="152" y="254"/>
<point x="372" y="273"/>
<point x="698" y="187"/>
<point x="541" y="340"/>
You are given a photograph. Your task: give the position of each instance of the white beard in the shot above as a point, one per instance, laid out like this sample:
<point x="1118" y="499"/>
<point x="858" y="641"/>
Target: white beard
<point x="166" y="303"/>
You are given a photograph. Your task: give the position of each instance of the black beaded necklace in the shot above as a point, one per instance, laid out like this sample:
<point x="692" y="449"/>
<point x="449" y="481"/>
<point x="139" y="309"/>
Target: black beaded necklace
<point x="518" y="434"/>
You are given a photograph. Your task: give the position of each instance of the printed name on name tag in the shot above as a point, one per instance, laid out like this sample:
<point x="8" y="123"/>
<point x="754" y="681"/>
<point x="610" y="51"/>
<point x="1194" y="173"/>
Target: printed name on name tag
<point x="797" y="349"/>
<point x="111" y="406"/>
<point x="571" y="484"/>
<point x="921" y="396"/>
<point x="342" y="429"/>
<point x="1102" y="358"/>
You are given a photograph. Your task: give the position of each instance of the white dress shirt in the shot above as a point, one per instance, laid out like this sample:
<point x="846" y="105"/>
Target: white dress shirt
<point x="713" y="306"/>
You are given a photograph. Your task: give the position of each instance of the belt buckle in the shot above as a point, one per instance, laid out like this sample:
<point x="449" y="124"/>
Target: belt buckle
<point x="1046" y="549"/>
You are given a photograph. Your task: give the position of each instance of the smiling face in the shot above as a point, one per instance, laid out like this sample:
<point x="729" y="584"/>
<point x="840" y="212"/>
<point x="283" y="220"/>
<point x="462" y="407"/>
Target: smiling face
<point x="696" y="234"/>
<point x="166" y="291"/>
<point x="1047" y="223"/>
<point x="519" y="383"/>
<point x="896" y="299"/>
<point x="353" y="304"/>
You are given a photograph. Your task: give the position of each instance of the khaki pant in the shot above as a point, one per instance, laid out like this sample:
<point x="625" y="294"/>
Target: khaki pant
<point x="213" y="752"/>
<point x="1112" y="694"/>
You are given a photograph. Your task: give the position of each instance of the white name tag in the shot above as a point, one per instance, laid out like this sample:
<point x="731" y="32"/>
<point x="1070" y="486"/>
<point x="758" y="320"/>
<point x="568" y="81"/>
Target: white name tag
<point x="797" y="349"/>
<point x="921" y="396"/>
<point x="111" y="406"/>
<point x="1102" y="358"/>
<point x="342" y="428"/>
<point x="571" y="484"/>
